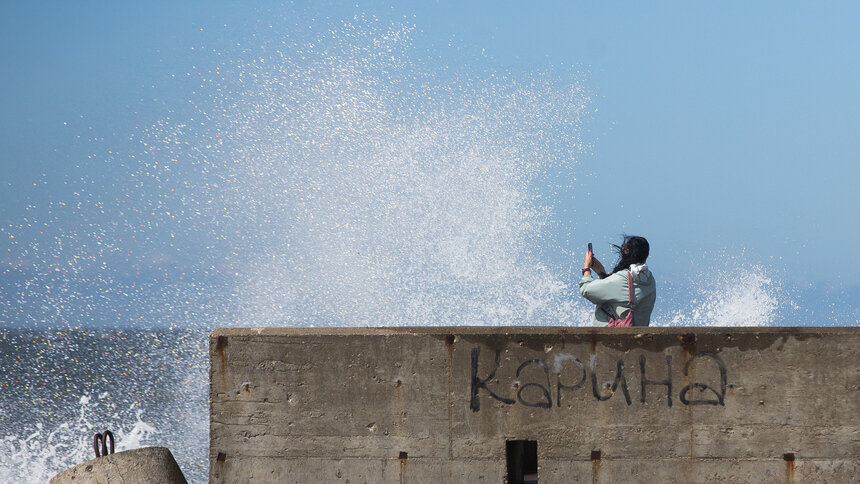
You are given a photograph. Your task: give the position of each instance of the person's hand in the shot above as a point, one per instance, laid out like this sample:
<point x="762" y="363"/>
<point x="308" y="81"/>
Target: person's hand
<point x="589" y="256"/>
<point x="597" y="266"/>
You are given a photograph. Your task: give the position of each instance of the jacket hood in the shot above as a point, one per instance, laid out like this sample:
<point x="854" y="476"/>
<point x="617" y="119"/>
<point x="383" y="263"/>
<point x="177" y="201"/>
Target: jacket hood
<point x="640" y="272"/>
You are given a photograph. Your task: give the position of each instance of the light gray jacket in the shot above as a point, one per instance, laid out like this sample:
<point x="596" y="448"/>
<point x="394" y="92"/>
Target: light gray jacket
<point x="610" y="295"/>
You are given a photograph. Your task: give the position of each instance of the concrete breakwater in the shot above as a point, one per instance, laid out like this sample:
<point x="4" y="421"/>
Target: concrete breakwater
<point x="147" y="465"/>
<point x="455" y="404"/>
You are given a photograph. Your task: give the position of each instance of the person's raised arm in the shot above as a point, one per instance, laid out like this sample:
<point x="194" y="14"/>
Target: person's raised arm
<point x="589" y="260"/>
<point x="598" y="267"/>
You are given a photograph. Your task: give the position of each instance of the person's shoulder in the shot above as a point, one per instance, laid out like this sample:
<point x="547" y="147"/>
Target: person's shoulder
<point x="620" y="275"/>
<point x="650" y="282"/>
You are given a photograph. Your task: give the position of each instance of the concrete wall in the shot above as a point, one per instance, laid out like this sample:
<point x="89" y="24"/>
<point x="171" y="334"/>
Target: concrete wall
<point x="435" y="405"/>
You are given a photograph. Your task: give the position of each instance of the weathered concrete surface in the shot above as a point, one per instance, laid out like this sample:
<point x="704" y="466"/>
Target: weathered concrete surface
<point x="393" y="405"/>
<point x="147" y="465"/>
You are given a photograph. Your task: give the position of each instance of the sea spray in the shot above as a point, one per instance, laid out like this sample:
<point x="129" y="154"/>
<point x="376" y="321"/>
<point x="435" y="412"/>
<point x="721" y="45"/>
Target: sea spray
<point x="356" y="181"/>
<point x="728" y="291"/>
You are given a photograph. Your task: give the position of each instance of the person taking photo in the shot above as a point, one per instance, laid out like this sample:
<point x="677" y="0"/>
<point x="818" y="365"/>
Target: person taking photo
<point x="630" y="286"/>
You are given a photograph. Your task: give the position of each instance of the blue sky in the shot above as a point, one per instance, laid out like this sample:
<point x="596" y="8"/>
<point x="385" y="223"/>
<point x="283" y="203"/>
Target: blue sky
<point x="720" y="128"/>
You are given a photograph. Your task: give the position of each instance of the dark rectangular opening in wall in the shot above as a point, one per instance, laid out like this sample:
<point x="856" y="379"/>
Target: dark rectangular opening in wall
<point x="522" y="461"/>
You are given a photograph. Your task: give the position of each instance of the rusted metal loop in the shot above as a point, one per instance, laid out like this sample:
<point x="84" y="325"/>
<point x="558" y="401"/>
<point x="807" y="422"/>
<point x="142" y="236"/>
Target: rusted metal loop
<point x="108" y="435"/>
<point x="100" y="443"/>
<point x="97" y="439"/>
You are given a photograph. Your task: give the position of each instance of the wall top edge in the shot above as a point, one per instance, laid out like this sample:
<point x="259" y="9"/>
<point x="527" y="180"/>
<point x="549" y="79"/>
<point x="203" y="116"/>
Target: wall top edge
<point x="528" y="330"/>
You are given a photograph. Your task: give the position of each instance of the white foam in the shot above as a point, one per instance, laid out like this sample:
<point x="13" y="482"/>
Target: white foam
<point x="48" y="450"/>
<point x="744" y="295"/>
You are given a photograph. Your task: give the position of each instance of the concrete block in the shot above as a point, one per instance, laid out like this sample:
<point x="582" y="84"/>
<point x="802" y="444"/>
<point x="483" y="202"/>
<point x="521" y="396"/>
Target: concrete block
<point x="147" y="465"/>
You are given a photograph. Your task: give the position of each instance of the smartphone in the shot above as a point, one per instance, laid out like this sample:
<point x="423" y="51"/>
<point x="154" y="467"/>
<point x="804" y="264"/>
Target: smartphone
<point x="589" y="247"/>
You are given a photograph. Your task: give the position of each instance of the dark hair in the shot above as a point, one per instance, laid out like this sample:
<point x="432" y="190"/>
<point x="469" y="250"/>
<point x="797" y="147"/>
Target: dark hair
<point x="633" y="250"/>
